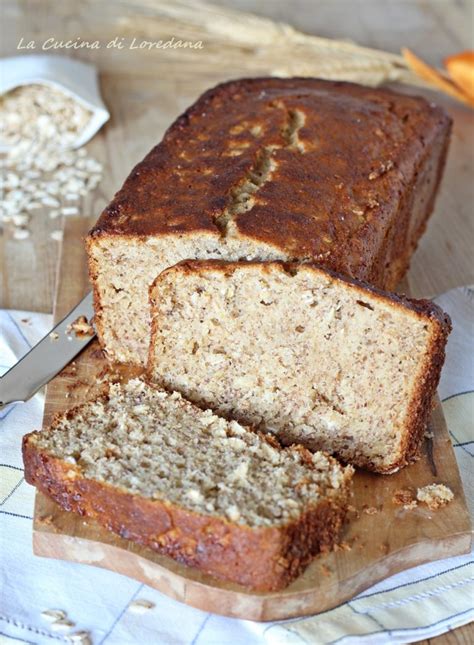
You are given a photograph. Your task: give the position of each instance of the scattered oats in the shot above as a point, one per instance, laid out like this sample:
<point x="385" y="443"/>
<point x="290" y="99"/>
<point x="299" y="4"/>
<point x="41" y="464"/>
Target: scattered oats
<point x="50" y="201"/>
<point x="434" y="495"/>
<point x="62" y="625"/>
<point x="69" y="210"/>
<point x="57" y="235"/>
<point x="32" y="206"/>
<point x="140" y="606"/>
<point x="53" y="614"/>
<point x="20" y="220"/>
<point x="54" y="335"/>
<point x="20" y="234"/>
<point x="80" y="637"/>
<point x="32" y="174"/>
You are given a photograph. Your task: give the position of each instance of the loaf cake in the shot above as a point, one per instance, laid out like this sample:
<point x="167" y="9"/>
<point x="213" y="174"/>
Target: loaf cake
<point x="270" y="169"/>
<point x="212" y="494"/>
<point x="315" y="358"/>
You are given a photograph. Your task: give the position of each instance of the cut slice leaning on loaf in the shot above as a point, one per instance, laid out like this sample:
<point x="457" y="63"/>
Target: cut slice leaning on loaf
<point x="212" y="494"/>
<point x="315" y="358"/>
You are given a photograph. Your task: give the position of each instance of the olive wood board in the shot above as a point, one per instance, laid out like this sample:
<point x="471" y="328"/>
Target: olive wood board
<point x="379" y="539"/>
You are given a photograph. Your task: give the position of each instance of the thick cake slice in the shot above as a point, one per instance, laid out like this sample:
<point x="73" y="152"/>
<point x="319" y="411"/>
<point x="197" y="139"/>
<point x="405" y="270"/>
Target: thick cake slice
<point x="270" y="169"/>
<point x="212" y="494"/>
<point x="315" y="358"/>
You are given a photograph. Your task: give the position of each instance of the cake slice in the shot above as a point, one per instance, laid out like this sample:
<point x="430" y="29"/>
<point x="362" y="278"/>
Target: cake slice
<point x="315" y="358"/>
<point x="213" y="494"/>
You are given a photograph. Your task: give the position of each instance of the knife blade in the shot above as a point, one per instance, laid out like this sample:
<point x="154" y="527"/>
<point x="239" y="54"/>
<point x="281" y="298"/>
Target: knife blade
<point x="47" y="358"/>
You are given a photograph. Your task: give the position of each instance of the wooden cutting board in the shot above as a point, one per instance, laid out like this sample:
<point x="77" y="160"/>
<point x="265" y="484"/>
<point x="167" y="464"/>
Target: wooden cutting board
<point x="380" y="539"/>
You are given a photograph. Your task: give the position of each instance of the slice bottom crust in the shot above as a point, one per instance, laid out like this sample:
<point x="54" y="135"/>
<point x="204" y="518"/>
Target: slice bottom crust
<point x="155" y="469"/>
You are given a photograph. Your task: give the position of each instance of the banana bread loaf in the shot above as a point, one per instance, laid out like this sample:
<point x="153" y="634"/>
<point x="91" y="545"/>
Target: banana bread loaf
<point x="212" y="494"/>
<point x="315" y="358"/>
<point x="268" y="168"/>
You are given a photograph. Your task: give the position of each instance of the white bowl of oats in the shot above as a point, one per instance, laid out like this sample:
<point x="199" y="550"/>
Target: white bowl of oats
<point x="49" y="96"/>
<point x="50" y="106"/>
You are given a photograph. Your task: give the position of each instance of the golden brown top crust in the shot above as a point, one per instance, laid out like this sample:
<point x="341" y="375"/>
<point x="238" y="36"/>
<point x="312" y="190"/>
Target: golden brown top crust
<point x="323" y="166"/>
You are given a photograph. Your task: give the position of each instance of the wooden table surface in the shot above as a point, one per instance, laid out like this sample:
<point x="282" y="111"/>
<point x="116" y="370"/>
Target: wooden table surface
<point x="144" y="95"/>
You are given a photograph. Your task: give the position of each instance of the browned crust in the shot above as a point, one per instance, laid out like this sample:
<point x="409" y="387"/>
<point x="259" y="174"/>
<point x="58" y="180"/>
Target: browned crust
<point x="422" y="401"/>
<point x="421" y="404"/>
<point x="263" y="558"/>
<point x="372" y="126"/>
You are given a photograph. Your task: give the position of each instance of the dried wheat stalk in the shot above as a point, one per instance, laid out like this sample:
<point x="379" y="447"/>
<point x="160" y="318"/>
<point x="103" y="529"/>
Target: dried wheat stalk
<point x="259" y="45"/>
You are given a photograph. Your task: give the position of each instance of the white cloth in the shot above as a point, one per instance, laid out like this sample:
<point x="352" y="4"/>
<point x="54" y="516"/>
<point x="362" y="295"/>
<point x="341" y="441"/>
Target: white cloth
<point x="416" y="604"/>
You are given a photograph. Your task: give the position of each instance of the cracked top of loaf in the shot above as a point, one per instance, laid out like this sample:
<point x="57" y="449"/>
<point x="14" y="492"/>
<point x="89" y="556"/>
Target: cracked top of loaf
<point x="313" y="167"/>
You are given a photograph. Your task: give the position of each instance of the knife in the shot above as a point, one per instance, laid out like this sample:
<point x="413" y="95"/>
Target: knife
<point x="47" y="358"/>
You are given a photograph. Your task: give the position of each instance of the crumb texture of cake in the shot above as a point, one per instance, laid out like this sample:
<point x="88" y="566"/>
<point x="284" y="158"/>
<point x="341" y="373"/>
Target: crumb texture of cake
<point x="211" y="493"/>
<point x="291" y="169"/>
<point x="435" y="495"/>
<point x="314" y="358"/>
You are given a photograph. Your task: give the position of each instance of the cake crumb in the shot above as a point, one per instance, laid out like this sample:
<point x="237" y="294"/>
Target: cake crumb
<point x="140" y="606"/>
<point x="370" y="510"/>
<point x="46" y="519"/>
<point x="325" y="570"/>
<point x="434" y="495"/>
<point x="384" y="548"/>
<point x="404" y="497"/>
<point x="81" y="328"/>
<point x="352" y="509"/>
<point x="342" y="546"/>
